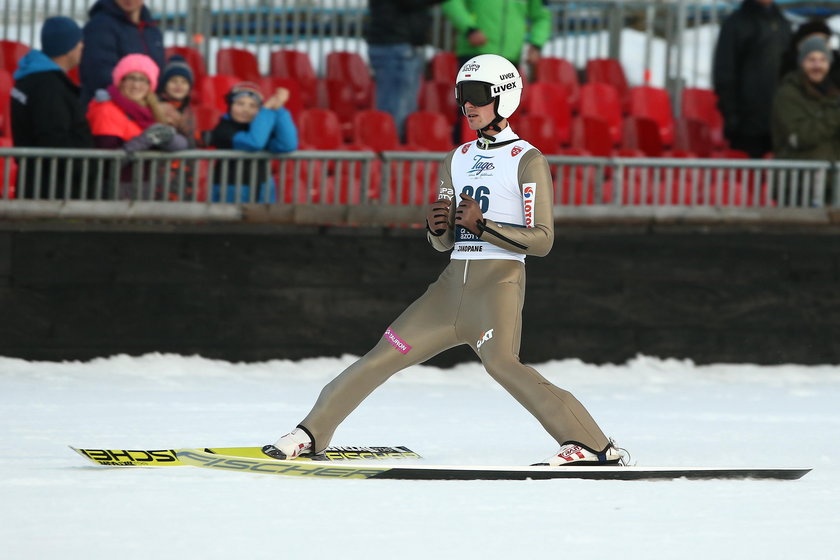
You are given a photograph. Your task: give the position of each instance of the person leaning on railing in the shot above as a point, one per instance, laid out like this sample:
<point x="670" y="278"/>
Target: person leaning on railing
<point x="251" y="124"/>
<point x="128" y="115"/>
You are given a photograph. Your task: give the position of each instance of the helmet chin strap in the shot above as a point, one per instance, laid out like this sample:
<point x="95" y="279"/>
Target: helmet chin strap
<point x="482" y="133"/>
<point x="485" y="139"/>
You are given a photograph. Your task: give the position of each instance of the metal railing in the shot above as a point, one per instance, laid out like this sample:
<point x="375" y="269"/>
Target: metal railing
<point x="406" y="180"/>
<point x="628" y="182"/>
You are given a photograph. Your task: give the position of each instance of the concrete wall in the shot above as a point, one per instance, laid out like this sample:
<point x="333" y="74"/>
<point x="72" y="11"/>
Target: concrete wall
<point x="604" y="294"/>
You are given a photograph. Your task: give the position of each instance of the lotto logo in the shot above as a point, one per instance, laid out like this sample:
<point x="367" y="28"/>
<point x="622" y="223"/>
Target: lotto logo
<point x="484" y="338"/>
<point x="529" y="194"/>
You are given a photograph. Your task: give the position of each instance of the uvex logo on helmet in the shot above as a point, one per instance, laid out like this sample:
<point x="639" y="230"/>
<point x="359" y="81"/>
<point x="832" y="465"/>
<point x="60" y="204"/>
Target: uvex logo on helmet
<point x="497" y="89"/>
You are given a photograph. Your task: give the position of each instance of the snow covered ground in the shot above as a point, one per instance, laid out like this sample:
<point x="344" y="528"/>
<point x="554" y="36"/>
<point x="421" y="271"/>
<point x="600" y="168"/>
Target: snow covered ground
<point x="53" y="504"/>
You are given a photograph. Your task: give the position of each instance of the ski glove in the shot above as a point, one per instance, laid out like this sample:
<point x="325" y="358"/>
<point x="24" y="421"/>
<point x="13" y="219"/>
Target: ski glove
<point x="156" y="135"/>
<point x="437" y="217"/>
<point x="469" y="216"/>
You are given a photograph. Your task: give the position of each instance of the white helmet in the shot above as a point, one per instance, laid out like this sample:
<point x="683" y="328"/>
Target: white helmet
<point x="488" y="77"/>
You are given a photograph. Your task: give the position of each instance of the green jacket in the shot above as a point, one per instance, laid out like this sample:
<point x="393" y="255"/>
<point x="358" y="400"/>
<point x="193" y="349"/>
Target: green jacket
<point x="805" y="121"/>
<point x="505" y="23"/>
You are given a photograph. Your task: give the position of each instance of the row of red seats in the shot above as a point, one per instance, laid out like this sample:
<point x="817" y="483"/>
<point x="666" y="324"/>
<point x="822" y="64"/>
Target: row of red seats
<point x="348" y="87"/>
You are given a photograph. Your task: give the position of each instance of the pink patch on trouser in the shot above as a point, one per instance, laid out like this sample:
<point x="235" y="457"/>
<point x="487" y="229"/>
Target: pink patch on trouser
<point x="396" y="341"/>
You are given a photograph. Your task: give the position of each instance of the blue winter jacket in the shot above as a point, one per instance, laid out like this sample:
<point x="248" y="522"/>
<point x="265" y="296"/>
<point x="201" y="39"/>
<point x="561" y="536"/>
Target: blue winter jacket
<point x="272" y="130"/>
<point x="109" y="35"/>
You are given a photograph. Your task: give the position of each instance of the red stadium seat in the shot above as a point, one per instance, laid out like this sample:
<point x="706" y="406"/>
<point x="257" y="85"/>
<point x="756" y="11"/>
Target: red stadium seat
<point x="438" y="97"/>
<point x="539" y="131"/>
<point x="609" y="71"/>
<point x="215" y="88"/>
<point x="12" y="171"/>
<point x="10" y="53"/>
<point x="73" y="74"/>
<point x="642" y="133"/>
<point x="6" y="84"/>
<point x="376" y="130"/>
<point x="601" y="100"/>
<point x="560" y="71"/>
<point x="574" y="185"/>
<point x="206" y="117"/>
<point x="351" y="69"/>
<point x="593" y="135"/>
<point x="338" y="96"/>
<point x="694" y="136"/>
<point x="654" y="103"/>
<point x="443" y="67"/>
<point x="701" y="104"/>
<point x="296" y="65"/>
<point x="238" y="62"/>
<point x="429" y="131"/>
<point x="549" y="100"/>
<point x="320" y="129"/>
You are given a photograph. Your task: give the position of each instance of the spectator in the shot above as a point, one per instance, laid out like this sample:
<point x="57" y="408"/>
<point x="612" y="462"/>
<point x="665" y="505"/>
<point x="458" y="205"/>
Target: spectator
<point x="252" y="125"/>
<point x="45" y="107"/>
<point x="499" y="27"/>
<point x="175" y="90"/>
<point x="116" y="28"/>
<point x="806" y="109"/>
<point x="813" y="28"/>
<point x="745" y="73"/>
<point x="396" y="37"/>
<point x="128" y="115"/>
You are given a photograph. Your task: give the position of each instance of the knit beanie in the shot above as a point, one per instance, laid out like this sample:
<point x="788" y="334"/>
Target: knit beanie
<point x="136" y="63"/>
<point x="176" y="66"/>
<point x="249" y="89"/>
<point x="59" y="35"/>
<point x="813" y="44"/>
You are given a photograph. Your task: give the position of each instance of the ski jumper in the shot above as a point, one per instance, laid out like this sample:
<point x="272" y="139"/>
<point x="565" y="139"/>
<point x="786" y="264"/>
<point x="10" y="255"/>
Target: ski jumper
<point x="478" y="298"/>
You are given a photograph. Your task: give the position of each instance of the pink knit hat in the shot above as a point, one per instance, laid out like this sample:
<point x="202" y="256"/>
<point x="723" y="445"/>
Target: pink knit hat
<point x="136" y="63"/>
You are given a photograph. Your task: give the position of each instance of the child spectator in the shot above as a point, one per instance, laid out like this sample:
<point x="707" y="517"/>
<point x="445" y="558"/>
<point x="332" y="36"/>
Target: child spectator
<point x="175" y="90"/>
<point x="128" y="115"/>
<point x="45" y="108"/>
<point x="252" y="125"/>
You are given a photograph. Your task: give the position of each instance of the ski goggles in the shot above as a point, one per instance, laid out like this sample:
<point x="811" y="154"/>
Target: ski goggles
<point x="477" y="93"/>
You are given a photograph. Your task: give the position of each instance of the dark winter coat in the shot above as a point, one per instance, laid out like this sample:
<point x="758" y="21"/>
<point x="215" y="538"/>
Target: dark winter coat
<point x="806" y="121"/>
<point x="746" y="67"/>
<point x="46" y="113"/>
<point x="399" y="21"/>
<point x="109" y="35"/>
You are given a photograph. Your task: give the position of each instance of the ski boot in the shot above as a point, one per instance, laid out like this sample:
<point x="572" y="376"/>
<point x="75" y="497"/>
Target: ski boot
<point x="290" y="446"/>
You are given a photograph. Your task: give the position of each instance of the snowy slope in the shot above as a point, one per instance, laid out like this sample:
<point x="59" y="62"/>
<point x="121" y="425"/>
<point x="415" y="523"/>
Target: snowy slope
<point x="54" y="505"/>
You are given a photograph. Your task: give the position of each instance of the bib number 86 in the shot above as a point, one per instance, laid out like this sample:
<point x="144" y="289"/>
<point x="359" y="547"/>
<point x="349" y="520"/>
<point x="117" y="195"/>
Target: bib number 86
<point x="480" y="194"/>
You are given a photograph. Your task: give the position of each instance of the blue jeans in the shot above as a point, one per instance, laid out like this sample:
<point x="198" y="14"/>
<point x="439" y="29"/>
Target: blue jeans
<point x="397" y="70"/>
<point x="266" y="193"/>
